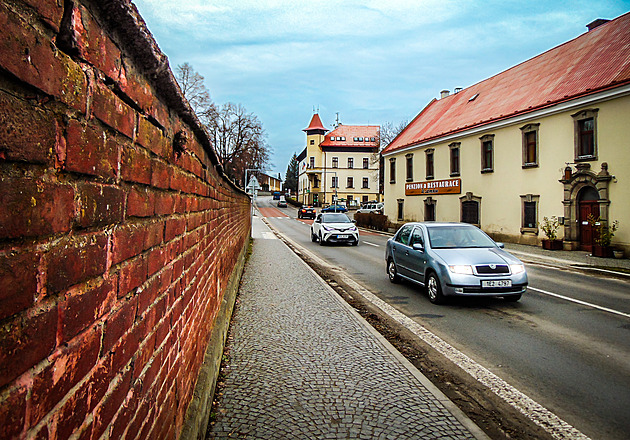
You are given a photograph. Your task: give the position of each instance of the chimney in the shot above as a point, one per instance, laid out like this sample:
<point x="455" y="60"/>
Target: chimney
<point x="444" y="94"/>
<point x="592" y="25"/>
<point x="457" y="90"/>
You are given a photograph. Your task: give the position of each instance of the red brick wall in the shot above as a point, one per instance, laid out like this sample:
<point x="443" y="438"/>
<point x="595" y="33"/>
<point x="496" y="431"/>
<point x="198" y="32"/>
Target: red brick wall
<point x="118" y="231"/>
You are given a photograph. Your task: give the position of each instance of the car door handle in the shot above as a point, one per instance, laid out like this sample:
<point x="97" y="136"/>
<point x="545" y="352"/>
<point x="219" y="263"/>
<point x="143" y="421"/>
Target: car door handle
<point x="407" y="253"/>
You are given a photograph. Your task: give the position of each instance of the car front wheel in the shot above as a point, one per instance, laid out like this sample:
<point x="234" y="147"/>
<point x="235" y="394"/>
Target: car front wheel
<point x="434" y="290"/>
<point x="313" y="237"/>
<point x="392" y="273"/>
<point x="321" y="240"/>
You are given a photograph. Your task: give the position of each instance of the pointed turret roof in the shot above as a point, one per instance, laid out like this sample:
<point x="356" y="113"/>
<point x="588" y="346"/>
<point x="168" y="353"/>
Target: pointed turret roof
<point x="316" y="124"/>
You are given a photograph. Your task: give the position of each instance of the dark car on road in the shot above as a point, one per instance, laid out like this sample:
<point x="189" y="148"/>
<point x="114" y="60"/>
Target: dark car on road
<point x="335" y="208"/>
<point x="454" y="259"/>
<point x="306" y="211"/>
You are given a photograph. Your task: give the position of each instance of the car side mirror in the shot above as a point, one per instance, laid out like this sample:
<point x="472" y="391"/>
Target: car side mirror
<point x="354" y="221"/>
<point x="418" y="247"/>
<point x="501" y="245"/>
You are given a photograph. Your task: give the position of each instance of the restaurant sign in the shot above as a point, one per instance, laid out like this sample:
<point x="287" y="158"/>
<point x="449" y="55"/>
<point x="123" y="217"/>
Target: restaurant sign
<point x="434" y="187"/>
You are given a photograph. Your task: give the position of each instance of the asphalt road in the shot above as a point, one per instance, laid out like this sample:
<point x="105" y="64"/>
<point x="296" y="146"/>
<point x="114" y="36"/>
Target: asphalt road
<point x="571" y="358"/>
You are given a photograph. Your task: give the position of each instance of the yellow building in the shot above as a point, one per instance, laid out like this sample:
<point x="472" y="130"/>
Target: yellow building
<point x="339" y="165"/>
<point x="548" y="137"/>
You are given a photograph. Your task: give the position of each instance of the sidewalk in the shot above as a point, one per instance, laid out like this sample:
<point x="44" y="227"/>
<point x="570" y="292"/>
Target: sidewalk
<point x="304" y="365"/>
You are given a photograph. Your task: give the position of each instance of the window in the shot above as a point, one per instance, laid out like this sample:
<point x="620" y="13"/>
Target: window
<point x="470" y="209"/>
<point x="529" y="203"/>
<point x="360" y="139"/>
<point x="350" y="199"/>
<point x="364" y="199"/>
<point x="487" y="153"/>
<point x="343" y="138"/>
<point x="315" y="182"/>
<point x="530" y="145"/>
<point x="312" y="142"/>
<point x="392" y="170"/>
<point x="429" y="209"/>
<point x="585" y="128"/>
<point x="335" y="182"/>
<point x="409" y="167"/>
<point x="366" y="163"/>
<point x="401" y="211"/>
<point x="311" y="162"/>
<point x="335" y="162"/>
<point x="366" y="183"/>
<point x="350" y="183"/>
<point x="454" y="152"/>
<point x="350" y="162"/>
<point x="416" y="237"/>
<point x="404" y="234"/>
<point x="430" y="164"/>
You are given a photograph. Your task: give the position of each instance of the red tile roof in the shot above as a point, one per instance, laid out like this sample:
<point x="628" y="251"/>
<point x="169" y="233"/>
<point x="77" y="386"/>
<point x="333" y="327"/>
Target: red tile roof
<point x="316" y="124"/>
<point x="595" y="61"/>
<point x="350" y="132"/>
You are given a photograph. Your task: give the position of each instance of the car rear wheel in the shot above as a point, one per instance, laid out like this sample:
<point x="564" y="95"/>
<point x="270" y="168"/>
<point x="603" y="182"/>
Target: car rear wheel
<point x="513" y="298"/>
<point x="434" y="290"/>
<point x="392" y="273"/>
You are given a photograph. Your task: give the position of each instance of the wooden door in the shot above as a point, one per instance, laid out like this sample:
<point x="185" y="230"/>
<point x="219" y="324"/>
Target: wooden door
<point x="587" y="231"/>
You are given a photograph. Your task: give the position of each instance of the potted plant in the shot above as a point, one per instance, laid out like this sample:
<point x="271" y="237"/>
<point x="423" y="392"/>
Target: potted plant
<point x="550" y="228"/>
<point x="603" y="236"/>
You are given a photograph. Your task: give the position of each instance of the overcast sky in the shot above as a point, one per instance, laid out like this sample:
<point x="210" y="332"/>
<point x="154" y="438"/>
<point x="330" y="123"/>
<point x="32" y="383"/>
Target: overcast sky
<point x="373" y="61"/>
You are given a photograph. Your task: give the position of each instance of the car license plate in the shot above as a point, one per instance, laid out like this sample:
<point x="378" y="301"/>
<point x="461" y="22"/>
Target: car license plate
<point x="496" y="283"/>
<point x="342" y="236"/>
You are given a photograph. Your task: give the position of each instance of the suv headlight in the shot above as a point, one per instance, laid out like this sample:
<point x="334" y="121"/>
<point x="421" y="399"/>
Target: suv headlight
<point x="461" y="269"/>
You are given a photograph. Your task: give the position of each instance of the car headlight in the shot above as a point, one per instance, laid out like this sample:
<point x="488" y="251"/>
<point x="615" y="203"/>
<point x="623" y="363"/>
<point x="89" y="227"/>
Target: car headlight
<point x="354" y="228"/>
<point x="517" y="268"/>
<point x="461" y="269"/>
<point x="326" y="228"/>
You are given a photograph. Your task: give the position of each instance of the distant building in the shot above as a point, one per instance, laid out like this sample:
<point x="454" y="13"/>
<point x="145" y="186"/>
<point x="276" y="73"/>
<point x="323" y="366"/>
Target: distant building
<point x="548" y="137"/>
<point x="341" y="164"/>
<point x="269" y="183"/>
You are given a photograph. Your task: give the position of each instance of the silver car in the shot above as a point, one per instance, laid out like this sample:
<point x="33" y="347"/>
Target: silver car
<point x="334" y="228"/>
<point x="454" y="259"/>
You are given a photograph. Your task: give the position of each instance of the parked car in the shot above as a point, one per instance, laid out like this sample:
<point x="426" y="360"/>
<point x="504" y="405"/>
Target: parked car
<point x="454" y="259"/>
<point x="376" y="208"/>
<point x="282" y="203"/>
<point x="335" y="208"/>
<point x="334" y="228"/>
<point x="306" y="211"/>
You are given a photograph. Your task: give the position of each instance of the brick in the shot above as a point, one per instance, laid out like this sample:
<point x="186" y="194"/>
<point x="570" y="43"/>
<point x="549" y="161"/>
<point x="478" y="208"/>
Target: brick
<point x="28" y="133"/>
<point x="128" y="241"/>
<point x="49" y="12"/>
<point x="68" y="366"/>
<point x="131" y="276"/>
<point x="92" y="43"/>
<point x="18" y="281"/>
<point x="28" y="337"/>
<point x="136" y="165"/>
<point x="44" y="208"/>
<point x="127" y="348"/>
<point x="76" y="259"/>
<point x="156" y="260"/>
<point x="164" y="203"/>
<point x="32" y="58"/>
<point x="135" y="87"/>
<point x="112" y="111"/>
<point x="151" y="138"/>
<point x="140" y="202"/>
<point x="111" y="404"/>
<point x="118" y="323"/>
<point x="88" y="151"/>
<point x="13" y="412"/>
<point x="100" y="204"/>
<point x="70" y="417"/>
<point x="155" y="234"/>
<point x="160" y="174"/>
<point x="85" y="307"/>
<point x="174" y="227"/>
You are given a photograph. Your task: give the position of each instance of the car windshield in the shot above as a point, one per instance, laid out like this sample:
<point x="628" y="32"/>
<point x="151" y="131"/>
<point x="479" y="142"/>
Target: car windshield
<point x="335" y="218"/>
<point x="447" y="237"/>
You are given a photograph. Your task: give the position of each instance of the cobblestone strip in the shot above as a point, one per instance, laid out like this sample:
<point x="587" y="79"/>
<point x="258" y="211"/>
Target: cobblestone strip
<point x="303" y="367"/>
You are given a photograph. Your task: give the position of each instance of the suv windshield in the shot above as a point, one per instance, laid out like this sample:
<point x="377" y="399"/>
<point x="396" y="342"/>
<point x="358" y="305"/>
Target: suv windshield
<point x="335" y="218"/>
<point x="445" y="237"/>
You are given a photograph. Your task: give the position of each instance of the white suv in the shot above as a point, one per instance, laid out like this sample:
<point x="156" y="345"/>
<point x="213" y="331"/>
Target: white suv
<point x="334" y="227"/>
<point x="376" y="208"/>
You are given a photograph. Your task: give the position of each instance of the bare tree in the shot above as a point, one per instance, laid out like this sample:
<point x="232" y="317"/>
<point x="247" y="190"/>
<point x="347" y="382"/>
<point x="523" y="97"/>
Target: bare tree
<point x="388" y="132"/>
<point x="238" y="138"/>
<point x="194" y="89"/>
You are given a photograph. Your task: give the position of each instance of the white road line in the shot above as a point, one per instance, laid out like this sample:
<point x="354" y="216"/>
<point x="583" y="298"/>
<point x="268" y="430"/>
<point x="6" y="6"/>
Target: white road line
<point x="577" y="301"/>
<point x="371" y="244"/>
